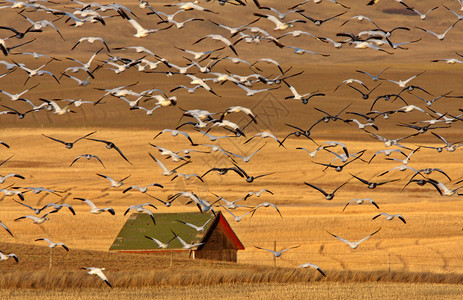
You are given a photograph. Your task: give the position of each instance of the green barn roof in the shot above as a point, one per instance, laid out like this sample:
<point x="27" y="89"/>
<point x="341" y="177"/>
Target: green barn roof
<point x="132" y="235"/>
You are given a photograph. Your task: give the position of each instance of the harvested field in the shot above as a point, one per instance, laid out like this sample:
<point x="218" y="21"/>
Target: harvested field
<point x="414" y="259"/>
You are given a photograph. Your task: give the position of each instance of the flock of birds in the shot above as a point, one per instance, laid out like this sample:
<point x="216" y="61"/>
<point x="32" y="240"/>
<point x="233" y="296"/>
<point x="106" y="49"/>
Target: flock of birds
<point x="197" y="71"/>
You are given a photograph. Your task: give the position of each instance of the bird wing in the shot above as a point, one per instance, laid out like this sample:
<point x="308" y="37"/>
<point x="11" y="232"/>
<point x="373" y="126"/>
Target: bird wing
<point x="69" y="207"/>
<point x="99" y="160"/>
<point x="317" y="188"/>
<point x="319" y="270"/>
<point x="54" y="139"/>
<point x="347" y="204"/>
<point x="44" y="239"/>
<point x="384" y="182"/>
<point x="110" y="210"/>
<point x="187" y="162"/>
<point x="89" y="202"/>
<point x="121" y="154"/>
<point x="441" y="138"/>
<point x="188" y="137"/>
<point x="155" y="184"/>
<point x="378" y="215"/>
<point x="128" y="209"/>
<point x="212" y="169"/>
<point x="257" y="150"/>
<point x="30" y="207"/>
<point x="340" y="186"/>
<point x="281" y="251"/>
<point x="27" y="217"/>
<point x="374" y="203"/>
<point x="228" y="211"/>
<point x="84" y="136"/>
<point x="401" y="218"/>
<point x="77" y="158"/>
<point x="150" y="214"/>
<point x="266" y="250"/>
<point x="6" y="228"/>
<point x="367" y="237"/>
<point x="442" y="172"/>
<point x="131" y="187"/>
<point x="100" y="274"/>
<point x="341" y="239"/>
<point x="189" y="224"/>
<point x="362" y="180"/>
<point x="50" y="212"/>
<point x="181" y="240"/>
<point x="161" y="165"/>
<point x="64" y="246"/>
<point x="14" y="256"/>
<point x="155" y="240"/>
<point x="108" y="178"/>
<point x="307" y="265"/>
<point x="45" y="206"/>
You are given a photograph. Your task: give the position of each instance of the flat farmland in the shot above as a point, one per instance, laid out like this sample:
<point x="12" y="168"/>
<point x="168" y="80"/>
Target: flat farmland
<point x="417" y="257"/>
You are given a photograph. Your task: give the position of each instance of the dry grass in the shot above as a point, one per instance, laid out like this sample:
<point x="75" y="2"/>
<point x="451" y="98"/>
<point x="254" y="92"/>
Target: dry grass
<point x="125" y="270"/>
<point x="228" y="284"/>
<point x="254" y="291"/>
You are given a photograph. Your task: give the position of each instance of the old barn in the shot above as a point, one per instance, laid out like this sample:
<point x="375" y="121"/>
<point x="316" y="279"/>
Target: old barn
<point x="220" y="241"/>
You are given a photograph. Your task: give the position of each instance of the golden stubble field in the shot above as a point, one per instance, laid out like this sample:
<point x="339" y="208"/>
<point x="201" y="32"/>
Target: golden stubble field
<point x="425" y="249"/>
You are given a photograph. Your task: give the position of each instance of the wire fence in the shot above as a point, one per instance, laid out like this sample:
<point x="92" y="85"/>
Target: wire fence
<point x="359" y="261"/>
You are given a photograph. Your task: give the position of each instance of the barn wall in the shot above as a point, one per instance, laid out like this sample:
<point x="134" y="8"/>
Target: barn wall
<point x="217" y="247"/>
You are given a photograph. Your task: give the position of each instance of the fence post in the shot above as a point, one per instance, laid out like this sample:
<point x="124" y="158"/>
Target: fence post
<point x="274" y="257"/>
<point x="389" y="262"/>
<point x="171" y="258"/>
<point x="51" y="259"/>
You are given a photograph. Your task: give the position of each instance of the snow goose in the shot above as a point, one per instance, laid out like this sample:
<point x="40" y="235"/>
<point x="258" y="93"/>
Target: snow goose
<point x="310" y="265"/>
<point x="94" y="209"/>
<point x="354" y="244"/>
<point x="390" y="217"/>
<point x="99" y="273"/>
<point x="52" y="244"/>
<point x="277" y="253"/>
<point x="361" y="201"/>
<point x="69" y="145"/>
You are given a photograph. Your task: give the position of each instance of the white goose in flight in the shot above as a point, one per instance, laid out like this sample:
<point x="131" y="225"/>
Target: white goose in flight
<point x="142" y="189"/>
<point x="310" y="265"/>
<point x="4" y="256"/>
<point x="3" y="178"/>
<point x="197" y="228"/>
<point x="161" y="245"/>
<point x="52" y="244"/>
<point x="114" y="183"/>
<point x="266" y="204"/>
<point x="165" y="170"/>
<point x="354" y="244"/>
<point x="140" y="208"/>
<point x="440" y="37"/>
<point x="237" y="218"/>
<point x="361" y="201"/>
<point x="185" y="244"/>
<point x="278" y="253"/>
<point x="390" y="217"/>
<point x="220" y="38"/>
<point x="37" y="220"/>
<point x="98" y="272"/>
<point x="17" y="96"/>
<point x="141" y="31"/>
<point x="94" y="209"/>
